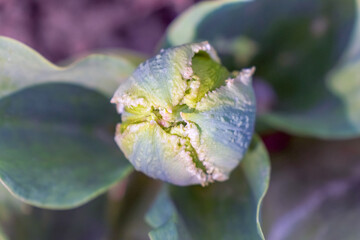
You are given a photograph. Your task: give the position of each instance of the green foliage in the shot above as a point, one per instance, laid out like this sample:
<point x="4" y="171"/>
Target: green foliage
<point x="56" y="140"/>
<point x="21" y="67"/>
<point x="228" y="210"/>
<point x="56" y="151"/>
<point x="294" y="45"/>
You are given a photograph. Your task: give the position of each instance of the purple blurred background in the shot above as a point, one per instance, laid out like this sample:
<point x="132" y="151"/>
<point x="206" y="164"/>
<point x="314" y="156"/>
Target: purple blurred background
<point x="59" y="29"/>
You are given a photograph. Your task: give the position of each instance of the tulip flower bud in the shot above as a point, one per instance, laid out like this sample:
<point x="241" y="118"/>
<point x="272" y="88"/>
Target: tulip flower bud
<point x="185" y="119"/>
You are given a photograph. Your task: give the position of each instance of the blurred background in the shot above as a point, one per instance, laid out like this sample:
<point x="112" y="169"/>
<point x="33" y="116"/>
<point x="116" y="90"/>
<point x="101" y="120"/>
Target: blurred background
<point x="59" y="29"/>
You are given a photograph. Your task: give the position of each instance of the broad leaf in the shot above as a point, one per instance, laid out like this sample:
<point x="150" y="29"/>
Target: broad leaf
<point x="337" y="116"/>
<point x="228" y="210"/>
<point x="130" y="56"/>
<point x="185" y="28"/>
<point x="56" y="145"/>
<point x="21" y="67"/>
<point x="314" y="191"/>
<point x="294" y="45"/>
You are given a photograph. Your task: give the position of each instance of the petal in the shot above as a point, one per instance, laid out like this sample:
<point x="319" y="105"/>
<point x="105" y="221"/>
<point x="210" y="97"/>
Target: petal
<point x="161" y="80"/>
<point x="158" y="154"/>
<point x="226" y="118"/>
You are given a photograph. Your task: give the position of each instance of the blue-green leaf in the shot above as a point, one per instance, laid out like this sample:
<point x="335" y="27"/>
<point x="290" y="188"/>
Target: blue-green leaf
<point x="184" y="28"/>
<point x="21" y="67"/>
<point x="56" y="145"/>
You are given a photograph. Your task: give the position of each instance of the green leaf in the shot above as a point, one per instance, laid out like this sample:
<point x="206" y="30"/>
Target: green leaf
<point x="228" y="210"/>
<point x="294" y="44"/>
<point x="337" y="116"/>
<point x="314" y="191"/>
<point x="165" y="219"/>
<point x="21" y="67"/>
<point x="131" y="56"/>
<point x="56" y="145"/>
<point x="167" y="231"/>
<point x="184" y="28"/>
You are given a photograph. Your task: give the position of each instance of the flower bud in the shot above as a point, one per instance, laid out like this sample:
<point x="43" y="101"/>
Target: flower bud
<point x="185" y="119"/>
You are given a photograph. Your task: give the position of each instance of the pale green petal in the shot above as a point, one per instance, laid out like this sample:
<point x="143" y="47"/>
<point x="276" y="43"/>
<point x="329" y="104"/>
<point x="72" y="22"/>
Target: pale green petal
<point x="153" y="151"/>
<point x="226" y="118"/>
<point x="161" y="80"/>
